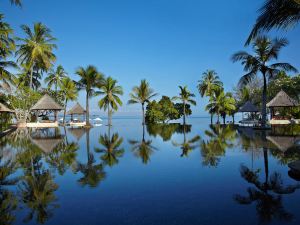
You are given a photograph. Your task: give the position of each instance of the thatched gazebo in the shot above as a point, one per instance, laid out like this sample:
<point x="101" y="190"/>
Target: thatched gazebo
<point x="283" y="143"/>
<point x="77" y="132"/>
<point x="281" y="100"/>
<point x="76" y="110"/>
<point x="47" y="144"/>
<point x="248" y="107"/>
<point x="4" y="109"/>
<point x="46" y="103"/>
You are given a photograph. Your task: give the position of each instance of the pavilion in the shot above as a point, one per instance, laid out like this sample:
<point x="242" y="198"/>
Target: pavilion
<point x="46" y="103"/>
<point x="4" y="109"/>
<point x="76" y="110"/>
<point x="280" y="101"/>
<point x="248" y="107"/>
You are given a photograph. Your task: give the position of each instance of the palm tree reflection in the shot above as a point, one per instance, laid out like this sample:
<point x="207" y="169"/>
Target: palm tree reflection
<point x="187" y="145"/>
<point x="111" y="149"/>
<point x="143" y="149"/>
<point x="267" y="195"/>
<point x="220" y="138"/>
<point x="92" y="173"/>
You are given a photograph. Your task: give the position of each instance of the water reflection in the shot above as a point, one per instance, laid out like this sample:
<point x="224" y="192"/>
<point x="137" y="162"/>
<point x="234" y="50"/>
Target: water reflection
<point x="142" y="149"/>
<point x="92" y="172"/>
<point x="110" y="148"/>
<point x="187" y="145"/>
<point x="219" y="139"/>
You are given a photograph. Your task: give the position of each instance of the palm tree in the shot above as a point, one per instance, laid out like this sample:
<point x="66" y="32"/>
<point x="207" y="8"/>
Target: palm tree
<point x="6" y="77"/>
<point x="70" y="92"/>
<point x="7" y="42"/>
<point x="90" y="78"/>
<point x="36" y="49"/>
<point x="55" y="78"/>
<point x="265" y="51"/>
<point x="16" y="2"/>
<point x="227" y="106"/>
<point x="276" y="14"/>
<point x="111" y="92"/>
<point x="186" y="97"/>
<point x="142" y="94"/>
<point x="111" y="150"/>
<point x="23" y="78"/>
<point x="208" y="85"/>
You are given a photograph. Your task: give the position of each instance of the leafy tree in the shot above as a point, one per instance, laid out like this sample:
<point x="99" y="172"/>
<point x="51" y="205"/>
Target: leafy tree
<point x="36" y="49"/>
<point x="276" y="14"/>
<point x="90" y="78"/>
<point x="185" y="96"/>
<point x="165" y="131"/>
<point x="227" y="105"/>
<point x="161" y="111"/>
<point x="111" y="92"/>
<point x="142" y="94"/>
<point x="265" y="51"/>
<point x="55" y="78"/>
<point x="69" y="90"/>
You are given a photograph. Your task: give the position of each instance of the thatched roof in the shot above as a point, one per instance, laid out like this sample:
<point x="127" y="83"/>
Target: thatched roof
<point x="46" y="103"/>
<point x="295" y="165"/>
<point x="76" y="109"/>
<point x="46" y="144"/>
<point x="3" y="108"/>
<point x="248" y="107"/>
<point x="283" y="143"/>
<point x="282" y="100"/>
<point x="77" y="132"/>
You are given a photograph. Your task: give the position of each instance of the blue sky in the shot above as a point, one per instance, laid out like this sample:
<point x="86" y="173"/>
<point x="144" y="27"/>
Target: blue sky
<point x="169" y="43"/>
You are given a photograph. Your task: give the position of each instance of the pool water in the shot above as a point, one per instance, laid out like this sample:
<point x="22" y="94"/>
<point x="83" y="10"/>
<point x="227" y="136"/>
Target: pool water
<point x="158" y="174"/>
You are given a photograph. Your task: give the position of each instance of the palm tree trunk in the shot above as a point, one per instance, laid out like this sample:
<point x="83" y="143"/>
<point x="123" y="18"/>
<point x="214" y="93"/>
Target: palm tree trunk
<point x="143" y="132"/>
<point x="143" y="109"/>
<point x="224" y="118"/>
<point x="233" y="118"/>
<point x="65" y="111"/>
<point x="266" y="164"/>
<point x="264" y="103"/>
<point x="87" y="115"/>
<point x="88" y="143"/>
<point x="108" y="115"/>
<point x="31" y="74"/>
<point x="211" y="118"/>
<point x="183" y="113"/>
<point x="218" y="121"/>
<point x="56" y="99"/>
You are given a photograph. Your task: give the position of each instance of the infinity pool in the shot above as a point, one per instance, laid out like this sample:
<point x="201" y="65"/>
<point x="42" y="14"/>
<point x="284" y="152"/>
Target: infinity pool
<point x="158" y="174"/>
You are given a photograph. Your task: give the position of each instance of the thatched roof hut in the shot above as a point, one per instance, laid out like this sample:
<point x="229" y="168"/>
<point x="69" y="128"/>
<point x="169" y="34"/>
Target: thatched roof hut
<point x="283" y="143"/>
<point x="282" y="100"/>
<point x="248" y="107"/>
<point x="3" y="108"/>
<point x="47" y="103"/>
<point x="76" y="109"/>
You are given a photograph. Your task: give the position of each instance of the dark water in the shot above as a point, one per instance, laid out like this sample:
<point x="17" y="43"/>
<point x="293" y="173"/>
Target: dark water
<point x="172" y="174"/>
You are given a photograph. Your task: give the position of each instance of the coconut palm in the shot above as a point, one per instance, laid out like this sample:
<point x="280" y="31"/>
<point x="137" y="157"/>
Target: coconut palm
<point x="227" y="105"/>
<point x="208" y="85"/>
<point x="55" y="78"/>
<point x="36" y="49"/>
<point x="185" y="96"/>
<point x="23" y="78"/>
<point x="276" y="14"/>
<point x="69" y="90"/>
<point x="111" y="149"/>
<point x="142" y="94"/>
<point x="6" y="77"/>
<point x="90" y="78"/>
<point x="7" y="42"/>
<point x="16" y="2"/>
<point x="265" y="51"/>
<point x="111" y="92"/>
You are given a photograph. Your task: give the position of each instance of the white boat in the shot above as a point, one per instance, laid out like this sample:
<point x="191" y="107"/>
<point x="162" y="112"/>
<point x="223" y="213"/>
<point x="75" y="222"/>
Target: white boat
<point x="98" y="119"/>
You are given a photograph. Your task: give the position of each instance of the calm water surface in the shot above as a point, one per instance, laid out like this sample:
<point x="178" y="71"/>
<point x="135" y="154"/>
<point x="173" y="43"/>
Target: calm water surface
<point x="164" y="174"/>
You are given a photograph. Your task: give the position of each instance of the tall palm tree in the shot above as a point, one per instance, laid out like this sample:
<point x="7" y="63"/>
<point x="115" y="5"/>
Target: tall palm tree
<point x="7" y="42"/>
<point x="185" y="96"/>
<point x="227" y="106"/>
<point x="55" y="78"/>
<point x="111" y="92"/>
<point x="36" y="49"/>
<point x="68" y="87"/>
<point x="6" y="77"/>
<point x="16" y="2"/>
<point x="265" y="51"/>
<point x="276" y="14"/>
<point x="90" y="78"/>
<point x="142" y="94"/>
<point x="208" y="85"/>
